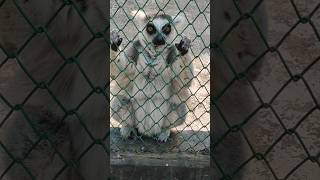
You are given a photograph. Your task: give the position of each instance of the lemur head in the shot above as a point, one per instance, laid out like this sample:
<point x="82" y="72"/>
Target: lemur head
<point x="157" y="29"/>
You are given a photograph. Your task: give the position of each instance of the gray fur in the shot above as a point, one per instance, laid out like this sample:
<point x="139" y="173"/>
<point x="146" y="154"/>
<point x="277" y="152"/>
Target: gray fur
<point x="172" y="55"/>
<point x="120" y="106"/>
<point x="155" y="84"/>
<point x="182" y="113"/>
<point x="133" y="51"/>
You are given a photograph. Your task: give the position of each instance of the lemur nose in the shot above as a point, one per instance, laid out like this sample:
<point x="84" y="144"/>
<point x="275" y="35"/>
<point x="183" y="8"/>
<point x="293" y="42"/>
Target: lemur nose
<point x="158" y="40"/>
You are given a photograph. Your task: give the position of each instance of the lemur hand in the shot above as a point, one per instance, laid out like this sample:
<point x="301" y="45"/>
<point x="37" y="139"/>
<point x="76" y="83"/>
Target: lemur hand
<point x="184" y="45"/>
<point x="116" y="40"/>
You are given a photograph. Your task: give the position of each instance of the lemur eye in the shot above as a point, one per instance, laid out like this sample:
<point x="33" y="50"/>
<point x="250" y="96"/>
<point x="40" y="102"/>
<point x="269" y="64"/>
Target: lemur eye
<point x="166" y="29"/>
<point x="150" y="29"/>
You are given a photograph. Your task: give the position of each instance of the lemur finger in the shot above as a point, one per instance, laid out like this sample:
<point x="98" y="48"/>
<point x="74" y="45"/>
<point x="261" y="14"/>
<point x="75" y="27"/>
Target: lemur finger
<point x="184" y="45"/>
<point x="116" y="40"/>
<point x="163" y="136"/>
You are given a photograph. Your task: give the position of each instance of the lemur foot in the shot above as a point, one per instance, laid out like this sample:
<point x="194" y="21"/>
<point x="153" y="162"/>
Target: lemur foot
<point x="163" y="136"/>
<point x="125" y="132"/>
<point x="116" y="40"/>
<point x="121" y="108"/>
<point x="184" y="45"/>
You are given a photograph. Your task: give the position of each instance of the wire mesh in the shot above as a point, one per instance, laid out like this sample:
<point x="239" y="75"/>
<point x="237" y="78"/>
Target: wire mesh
<point x="193" y="134"/>
<point x="198" y="106"/>
<point x="276" y="163"/>
<point x="22" y="155"/>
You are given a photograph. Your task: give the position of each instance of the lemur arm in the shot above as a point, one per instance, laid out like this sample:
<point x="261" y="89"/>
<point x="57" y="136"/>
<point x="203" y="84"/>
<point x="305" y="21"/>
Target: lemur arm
<point x="119" y="63"/>
<point x="181" y="79"/>
<point x="183" y="72"/>
<point x="121" y="69"/>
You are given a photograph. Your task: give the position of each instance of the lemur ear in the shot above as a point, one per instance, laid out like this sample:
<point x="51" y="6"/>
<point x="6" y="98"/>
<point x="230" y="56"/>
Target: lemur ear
<point x="139" y="14"/>
<point x="177" y="19"/>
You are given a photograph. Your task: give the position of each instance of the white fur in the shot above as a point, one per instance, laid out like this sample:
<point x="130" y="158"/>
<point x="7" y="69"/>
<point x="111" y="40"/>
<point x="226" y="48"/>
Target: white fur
<point x="150" y="99"/>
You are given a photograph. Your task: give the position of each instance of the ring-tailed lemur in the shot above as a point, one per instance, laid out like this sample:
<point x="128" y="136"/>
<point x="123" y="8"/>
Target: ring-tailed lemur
<point x="153" y="77"/>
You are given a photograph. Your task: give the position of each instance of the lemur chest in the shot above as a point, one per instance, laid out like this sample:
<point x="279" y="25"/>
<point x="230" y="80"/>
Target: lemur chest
<point x="148" y="86"/>
<point x="152" y="72"/>
<point x="151" y="80"/>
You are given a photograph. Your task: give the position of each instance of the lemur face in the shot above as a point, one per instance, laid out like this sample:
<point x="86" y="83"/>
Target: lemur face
<point x="157" y="29"/>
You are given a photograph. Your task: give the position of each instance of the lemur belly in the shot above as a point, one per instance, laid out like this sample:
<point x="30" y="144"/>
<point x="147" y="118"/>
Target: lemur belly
<point x="150" y="104"/>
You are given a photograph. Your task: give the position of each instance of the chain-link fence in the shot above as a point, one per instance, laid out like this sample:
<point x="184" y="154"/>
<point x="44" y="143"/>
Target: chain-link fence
<point x="266" y="97"/>
<point x="192" y="135"/>
<point x="266" y="92"/>
<point x="52" y="89"/>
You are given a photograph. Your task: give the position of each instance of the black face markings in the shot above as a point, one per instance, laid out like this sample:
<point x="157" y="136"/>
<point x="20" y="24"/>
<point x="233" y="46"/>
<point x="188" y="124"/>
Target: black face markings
<point x="166" y="29"/>
<point x="158" y="40"/>
<point x="150" y="28"/>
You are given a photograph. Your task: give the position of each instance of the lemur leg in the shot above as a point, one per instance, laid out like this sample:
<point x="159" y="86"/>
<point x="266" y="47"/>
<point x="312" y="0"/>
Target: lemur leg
<point x="120" y="70"/>
<point x="183" y="74"/>
<point x="121" y="111"/>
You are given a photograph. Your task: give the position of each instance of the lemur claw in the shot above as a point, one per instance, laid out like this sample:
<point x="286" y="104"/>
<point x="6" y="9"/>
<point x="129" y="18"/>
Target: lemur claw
<point x="184" y="45"/>
<point x="116" y="40"/>
<point x="163" y="136"/>
<point x="126" y="132"/>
